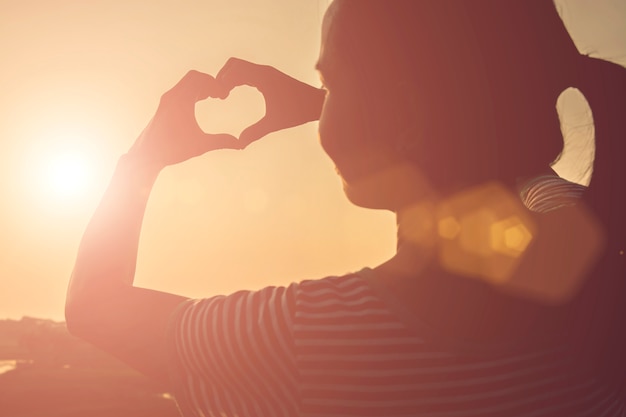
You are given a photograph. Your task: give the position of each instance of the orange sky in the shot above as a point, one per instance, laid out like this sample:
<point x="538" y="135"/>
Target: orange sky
<point x="85" y="77"/>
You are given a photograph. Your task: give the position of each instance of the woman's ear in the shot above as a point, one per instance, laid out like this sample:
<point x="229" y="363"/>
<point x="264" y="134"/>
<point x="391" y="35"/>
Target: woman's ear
<point x="409" y="123"/>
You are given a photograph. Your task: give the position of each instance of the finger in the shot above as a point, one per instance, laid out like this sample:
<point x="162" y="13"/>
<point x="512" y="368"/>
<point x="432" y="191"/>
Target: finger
<point x="207" y="142"/>
<point x="194" y="86"/>
<point x="237" y="72"/>
<point x="256" y="131"/>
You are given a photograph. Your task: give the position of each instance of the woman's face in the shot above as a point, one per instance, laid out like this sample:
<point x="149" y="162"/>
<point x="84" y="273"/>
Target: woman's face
<point x="358" y="129"/>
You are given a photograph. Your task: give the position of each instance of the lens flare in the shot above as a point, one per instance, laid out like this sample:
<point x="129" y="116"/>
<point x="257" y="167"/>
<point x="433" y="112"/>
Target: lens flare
<point x="510" y="236"/>
<point x="484" y="232"/>
<point x="487" y="233"/>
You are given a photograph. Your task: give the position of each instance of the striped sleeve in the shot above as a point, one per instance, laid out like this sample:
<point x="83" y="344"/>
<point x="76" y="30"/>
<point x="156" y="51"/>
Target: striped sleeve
<point x="234" y="355"/>
<point x="549" y="192"/>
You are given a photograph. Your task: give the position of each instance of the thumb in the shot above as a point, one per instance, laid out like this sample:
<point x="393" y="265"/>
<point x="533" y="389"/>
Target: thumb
<point x="207" y="142"/>
<point x="256" y="131"/>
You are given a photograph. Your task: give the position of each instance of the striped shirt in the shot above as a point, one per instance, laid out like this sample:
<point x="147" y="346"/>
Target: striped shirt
<point x="339" y="346"/>
<point x="549" y="192"/>
<point x="334" y="347"/>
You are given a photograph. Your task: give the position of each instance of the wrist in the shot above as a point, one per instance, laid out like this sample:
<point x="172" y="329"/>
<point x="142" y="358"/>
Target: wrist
<point x="137" y="169"/>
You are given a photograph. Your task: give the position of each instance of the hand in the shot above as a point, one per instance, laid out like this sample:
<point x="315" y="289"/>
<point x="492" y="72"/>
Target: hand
<point x="288" y="102"/>
<point x="173" y="134"/>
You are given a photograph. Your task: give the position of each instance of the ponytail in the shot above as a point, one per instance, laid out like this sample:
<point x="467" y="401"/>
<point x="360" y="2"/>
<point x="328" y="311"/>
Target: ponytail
<point x="604" y="85"/>
<point x="596" y="319"/>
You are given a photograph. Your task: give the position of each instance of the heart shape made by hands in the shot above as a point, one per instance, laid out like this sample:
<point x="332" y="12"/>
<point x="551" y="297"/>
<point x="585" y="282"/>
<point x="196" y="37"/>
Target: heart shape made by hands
<point x="243" y="107"/>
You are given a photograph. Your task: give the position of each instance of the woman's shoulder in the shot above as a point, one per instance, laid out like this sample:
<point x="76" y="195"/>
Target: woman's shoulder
<point x="336" y="283"/>
<point x="353" y="294"/>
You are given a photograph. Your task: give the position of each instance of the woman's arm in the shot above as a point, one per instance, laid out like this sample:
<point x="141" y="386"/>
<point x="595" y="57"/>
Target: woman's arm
<point x="102" y="305"/>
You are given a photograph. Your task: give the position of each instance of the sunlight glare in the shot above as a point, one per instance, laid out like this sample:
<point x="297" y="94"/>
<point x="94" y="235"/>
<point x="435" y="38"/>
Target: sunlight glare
<point x="67" y="174"/>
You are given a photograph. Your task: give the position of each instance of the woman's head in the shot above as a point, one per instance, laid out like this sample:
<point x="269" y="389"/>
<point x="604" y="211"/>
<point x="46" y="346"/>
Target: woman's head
<point x="463" y="92"/>
<point x="361" y="114"/>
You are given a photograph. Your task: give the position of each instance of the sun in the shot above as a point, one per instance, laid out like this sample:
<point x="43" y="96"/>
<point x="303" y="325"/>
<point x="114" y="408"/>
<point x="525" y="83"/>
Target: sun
<point x="63" y="167"/>
<point x="67" y="173"/>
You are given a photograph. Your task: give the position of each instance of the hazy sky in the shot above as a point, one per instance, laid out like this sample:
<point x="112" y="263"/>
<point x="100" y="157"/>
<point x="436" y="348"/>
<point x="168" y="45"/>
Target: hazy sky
<point x="80" y="80"/>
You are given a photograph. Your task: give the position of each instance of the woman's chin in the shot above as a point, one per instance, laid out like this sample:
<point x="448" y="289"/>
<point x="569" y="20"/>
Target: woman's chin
<point x="368" y="197"/>
<point x="360" y="199"/>
<point x="389" y="189"/>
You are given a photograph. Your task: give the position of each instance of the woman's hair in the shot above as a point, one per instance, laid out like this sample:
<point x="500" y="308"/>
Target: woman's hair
<point x="595" y="317"/>
<point x="482" y="78"/>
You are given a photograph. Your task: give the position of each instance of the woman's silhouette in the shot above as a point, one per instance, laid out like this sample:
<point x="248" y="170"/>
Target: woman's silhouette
<point x="443" y="112"/>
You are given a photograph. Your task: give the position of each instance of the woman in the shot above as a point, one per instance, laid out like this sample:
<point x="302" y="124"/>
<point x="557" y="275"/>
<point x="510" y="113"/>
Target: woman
<point x="425" y="103"/>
